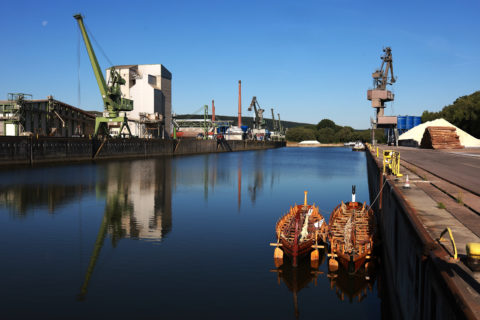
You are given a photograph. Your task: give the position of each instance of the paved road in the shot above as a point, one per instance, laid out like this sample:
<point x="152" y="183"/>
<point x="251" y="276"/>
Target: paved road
<point x="460" y="168"/>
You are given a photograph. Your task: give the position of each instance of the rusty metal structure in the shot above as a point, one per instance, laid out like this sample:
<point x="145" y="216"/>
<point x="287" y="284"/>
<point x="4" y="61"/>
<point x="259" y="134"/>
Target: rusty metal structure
<point x="379" y="95"/>
<point x="239" y="103"/>
<point x="20" y="115"/>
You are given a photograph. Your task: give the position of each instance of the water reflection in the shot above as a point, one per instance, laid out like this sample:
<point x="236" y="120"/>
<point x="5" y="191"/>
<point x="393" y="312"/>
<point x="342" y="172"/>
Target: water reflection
<point x="21" y="200"/>
<point x="211" y="174"/>
<point x="138" y="205"/>
<point x="88" y="226"/>
<point x="297" y="278"/>
<point x="138" y="199"/>
<point x="137" y="194"/>
<point x="354" y="287"/>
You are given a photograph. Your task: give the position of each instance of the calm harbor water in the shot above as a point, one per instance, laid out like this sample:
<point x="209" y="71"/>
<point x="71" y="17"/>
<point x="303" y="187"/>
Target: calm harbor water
<point x="174" y="238"/>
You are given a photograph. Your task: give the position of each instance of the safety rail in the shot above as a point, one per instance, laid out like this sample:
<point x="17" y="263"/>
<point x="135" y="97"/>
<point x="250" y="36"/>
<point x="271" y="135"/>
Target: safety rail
<point x="372" y="148"/>
<point x="391" y="162"/>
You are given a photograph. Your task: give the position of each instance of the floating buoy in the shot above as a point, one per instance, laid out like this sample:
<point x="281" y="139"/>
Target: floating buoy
<point x="315" y="255"/>
<point x="278" y="253"/>
<point x="314" y="259"/>
<point x="332" y="264"/>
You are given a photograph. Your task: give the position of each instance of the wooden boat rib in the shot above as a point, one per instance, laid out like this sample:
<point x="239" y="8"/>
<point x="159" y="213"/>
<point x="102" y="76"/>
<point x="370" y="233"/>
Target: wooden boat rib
<point x="299" y="231"/>
<point x="351" y="230"/>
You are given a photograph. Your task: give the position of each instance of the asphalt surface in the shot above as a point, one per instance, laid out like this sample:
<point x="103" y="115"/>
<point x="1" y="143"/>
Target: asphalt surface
<point x="461" y="168"/>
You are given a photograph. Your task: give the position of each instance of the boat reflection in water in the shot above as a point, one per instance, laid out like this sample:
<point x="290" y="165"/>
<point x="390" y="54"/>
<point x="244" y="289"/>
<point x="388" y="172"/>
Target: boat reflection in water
<point x="354" y="287"/>
<point x="297" y="278"/>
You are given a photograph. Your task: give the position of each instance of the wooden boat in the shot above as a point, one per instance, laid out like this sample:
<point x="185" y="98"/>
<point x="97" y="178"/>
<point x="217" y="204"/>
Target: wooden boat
<point x="298" y="233"/>
<point x="351" y="231"/>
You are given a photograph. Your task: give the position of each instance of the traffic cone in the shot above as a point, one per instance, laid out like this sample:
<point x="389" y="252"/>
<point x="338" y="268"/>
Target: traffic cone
<point x="407" y="183"/>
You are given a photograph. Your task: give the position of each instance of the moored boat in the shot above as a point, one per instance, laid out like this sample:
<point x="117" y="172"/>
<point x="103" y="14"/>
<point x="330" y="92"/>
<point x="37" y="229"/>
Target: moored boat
<point x="359" y="146"/>
<point x="299" y="232"/>
<point x="351" y="233"/>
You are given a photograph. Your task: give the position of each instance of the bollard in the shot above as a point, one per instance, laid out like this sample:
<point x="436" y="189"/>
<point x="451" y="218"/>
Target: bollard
<point x="407" y="183"/>
<point x="473" y="256"/>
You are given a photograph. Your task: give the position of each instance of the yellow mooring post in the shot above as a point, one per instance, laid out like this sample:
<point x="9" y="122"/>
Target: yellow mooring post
<point x="305" y="202"/>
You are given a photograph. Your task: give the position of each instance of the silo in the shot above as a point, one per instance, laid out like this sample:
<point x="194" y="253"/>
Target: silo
<point x="401" y="122"/>
<point x="417" y="121"/>
<point x="409" y="122"/>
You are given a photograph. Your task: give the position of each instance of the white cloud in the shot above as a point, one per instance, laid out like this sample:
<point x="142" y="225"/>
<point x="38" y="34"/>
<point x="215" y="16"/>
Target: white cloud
<point x="44" y="23"/>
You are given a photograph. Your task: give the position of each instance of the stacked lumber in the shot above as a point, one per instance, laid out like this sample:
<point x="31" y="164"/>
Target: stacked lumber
<point x="440" y="138"/>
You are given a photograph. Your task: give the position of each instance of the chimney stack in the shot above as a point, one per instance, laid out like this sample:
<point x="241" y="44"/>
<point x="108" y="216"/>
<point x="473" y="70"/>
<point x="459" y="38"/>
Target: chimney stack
<point x="239" y="103"/>
<point x="213" y="111"/>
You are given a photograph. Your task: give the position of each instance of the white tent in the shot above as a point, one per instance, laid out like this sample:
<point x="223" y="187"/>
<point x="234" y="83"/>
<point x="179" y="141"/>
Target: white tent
<point x="309" y="142"/>
<point x="416" y="133"/>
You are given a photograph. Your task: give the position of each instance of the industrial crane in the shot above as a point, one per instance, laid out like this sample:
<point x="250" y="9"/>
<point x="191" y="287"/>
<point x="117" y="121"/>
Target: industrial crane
<point x="379" y="95"/>
<point x="274" y="124"/>
<point x="259" y="122"/>
<point x="280" y="127"/>
<point x="380" y="76"/>
<point x="114" y="105"/>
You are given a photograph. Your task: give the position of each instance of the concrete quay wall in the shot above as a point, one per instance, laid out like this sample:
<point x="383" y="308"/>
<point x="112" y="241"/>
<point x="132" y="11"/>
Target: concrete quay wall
<point x="30" y="150"/>
<point x="417" y="282"/>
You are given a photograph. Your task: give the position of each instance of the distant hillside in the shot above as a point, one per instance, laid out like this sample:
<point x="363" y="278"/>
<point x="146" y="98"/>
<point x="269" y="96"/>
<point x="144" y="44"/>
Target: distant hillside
<point x="247" y="121"/>
<point x="463" y="113"/>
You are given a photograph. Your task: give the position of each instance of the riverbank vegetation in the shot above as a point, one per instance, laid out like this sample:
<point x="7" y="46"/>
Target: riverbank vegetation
<point x="327" y="131"/>
<point x="464" y="113"/>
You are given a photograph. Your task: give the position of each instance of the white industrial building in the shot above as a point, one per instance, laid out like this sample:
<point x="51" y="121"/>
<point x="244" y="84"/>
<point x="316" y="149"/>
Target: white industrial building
<point x="150" y="88"/>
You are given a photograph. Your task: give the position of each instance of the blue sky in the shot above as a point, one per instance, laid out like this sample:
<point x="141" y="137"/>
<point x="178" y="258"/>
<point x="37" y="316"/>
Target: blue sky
<point x="308" y="59"/>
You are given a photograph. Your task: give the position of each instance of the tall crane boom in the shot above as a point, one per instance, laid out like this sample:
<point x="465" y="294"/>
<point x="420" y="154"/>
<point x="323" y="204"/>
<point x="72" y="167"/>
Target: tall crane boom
<point x="380" y="76"/>
<point x="274" y="124"/>
<point x="102" y="85"/>
<point x="280" y="127"/>
<point x="113" y="102"/>
<point x="259" y="122"/>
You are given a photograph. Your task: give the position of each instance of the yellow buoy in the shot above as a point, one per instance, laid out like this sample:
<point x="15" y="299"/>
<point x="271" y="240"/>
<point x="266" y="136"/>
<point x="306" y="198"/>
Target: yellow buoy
<point x="278" y="253"/>
<point x="332" y="264"/>
<point x="315" y="255"/>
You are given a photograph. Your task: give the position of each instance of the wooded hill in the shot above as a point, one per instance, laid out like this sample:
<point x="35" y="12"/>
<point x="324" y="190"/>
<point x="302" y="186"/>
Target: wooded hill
<point x="463" y="113"/>
<point x="326" y="131"/>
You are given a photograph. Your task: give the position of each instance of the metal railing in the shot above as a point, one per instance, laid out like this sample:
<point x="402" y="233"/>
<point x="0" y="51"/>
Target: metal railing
<point x="391" y="162"/>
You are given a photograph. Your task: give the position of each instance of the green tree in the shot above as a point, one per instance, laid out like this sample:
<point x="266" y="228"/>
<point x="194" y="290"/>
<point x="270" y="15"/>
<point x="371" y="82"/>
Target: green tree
<point x="463" y="113"/>
<point x="344" y="134"/>
<point x="326" y="123"/>
<point x="300" y="134"/>
<point x="326" y="135"/>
